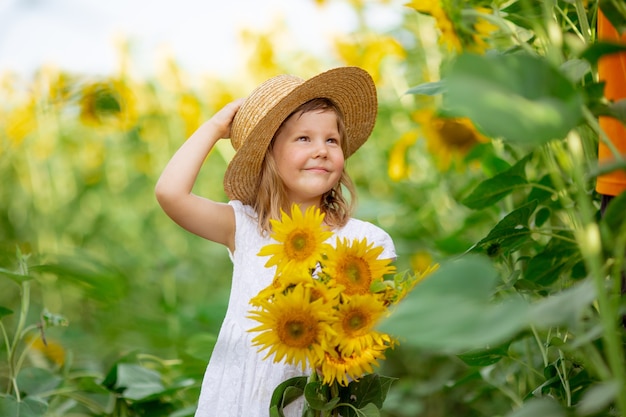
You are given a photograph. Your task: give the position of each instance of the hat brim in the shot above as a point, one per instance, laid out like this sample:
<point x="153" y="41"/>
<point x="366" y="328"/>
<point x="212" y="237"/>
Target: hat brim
<point x="350" y="88"/>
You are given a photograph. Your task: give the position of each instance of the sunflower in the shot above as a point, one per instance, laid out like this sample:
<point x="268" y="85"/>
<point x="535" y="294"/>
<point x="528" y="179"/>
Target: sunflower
<point x="327" y="293"/>
<point x="294" y="328"/>
<point x="343" y="369"/>
<point x="355" y="325"/>
<point x="483" y="29"/>
<point x="355" y="266"/>
<point x="406" y="284"/>
<point x="461" y="27"/>
<point x="280" y="284"/>
<point x="398" y="166"/>
<point x="449" y="36"/>
<point x="449" y="138"/>
<point x="301" y="240"/>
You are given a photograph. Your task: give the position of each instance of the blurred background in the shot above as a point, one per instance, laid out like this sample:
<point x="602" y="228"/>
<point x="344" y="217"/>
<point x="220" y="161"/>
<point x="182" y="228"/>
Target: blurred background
<point x="94" y="99"/>
<point x="110" y="309"/>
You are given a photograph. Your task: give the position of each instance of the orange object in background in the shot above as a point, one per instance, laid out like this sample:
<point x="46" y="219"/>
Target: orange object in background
<point x="612" y="70"/>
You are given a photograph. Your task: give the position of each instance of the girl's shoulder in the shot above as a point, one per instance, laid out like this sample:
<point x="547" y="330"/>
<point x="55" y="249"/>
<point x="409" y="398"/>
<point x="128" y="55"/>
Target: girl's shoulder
<point x="359" y="229"/>
<point x="245" y="216"/>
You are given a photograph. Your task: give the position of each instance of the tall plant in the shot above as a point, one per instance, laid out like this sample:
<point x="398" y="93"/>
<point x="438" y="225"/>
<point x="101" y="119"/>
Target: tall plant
<point x="534" y="305"/>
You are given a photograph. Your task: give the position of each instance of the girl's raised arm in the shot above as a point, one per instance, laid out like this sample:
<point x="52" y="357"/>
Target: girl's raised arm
<point x="206" y="218"/>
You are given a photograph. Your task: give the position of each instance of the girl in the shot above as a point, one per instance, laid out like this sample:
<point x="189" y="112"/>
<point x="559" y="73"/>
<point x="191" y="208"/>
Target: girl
<point x="291" y="139"/>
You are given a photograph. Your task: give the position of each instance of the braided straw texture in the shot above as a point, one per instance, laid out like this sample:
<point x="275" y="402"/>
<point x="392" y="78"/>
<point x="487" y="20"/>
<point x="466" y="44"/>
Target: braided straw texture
<point x="350" y="88"/>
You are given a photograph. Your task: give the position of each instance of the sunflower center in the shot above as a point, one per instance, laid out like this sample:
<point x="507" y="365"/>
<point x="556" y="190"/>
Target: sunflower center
<point x="356" y="275"/>
<point x="299" y="245"/>
<point x="297" y="332"/>
<point x="355" y="322"/>
<point x="457" y="135"/>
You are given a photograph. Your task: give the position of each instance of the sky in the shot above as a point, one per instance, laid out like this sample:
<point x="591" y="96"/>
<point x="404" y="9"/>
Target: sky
<point x="201" y="35"/>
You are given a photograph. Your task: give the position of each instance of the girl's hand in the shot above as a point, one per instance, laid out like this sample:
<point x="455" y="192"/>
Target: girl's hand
<point x="223" y="119"/>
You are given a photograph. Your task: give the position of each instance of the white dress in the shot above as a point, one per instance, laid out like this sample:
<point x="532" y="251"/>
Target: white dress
<point x="238" y="382"/>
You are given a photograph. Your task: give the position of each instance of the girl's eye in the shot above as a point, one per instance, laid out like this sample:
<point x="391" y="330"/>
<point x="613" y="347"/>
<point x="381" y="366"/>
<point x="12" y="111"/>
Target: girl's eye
<point x="302" y="139"/>
<point x="332" y="140"/>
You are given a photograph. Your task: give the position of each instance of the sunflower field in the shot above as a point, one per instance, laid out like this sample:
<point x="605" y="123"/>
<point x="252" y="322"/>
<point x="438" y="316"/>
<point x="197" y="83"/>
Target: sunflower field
<point x="483" y="162"/>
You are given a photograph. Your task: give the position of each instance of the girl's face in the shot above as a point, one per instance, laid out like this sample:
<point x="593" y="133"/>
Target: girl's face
<point x="308" y="155"/>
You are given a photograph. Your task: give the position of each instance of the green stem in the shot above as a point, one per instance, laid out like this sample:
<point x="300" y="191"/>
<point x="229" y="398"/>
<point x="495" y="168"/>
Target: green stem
<point x="25" y="303"/>
<point x="22" y="357"/>
<point x="562" y="373"/>
<point x="572" y="25"/>
<point x="582" y="19"/>
<point x="593" y="123"/>
<point x="542" y="349"/>
<point x="552" y="235"/>
<point x="592" y="355"/>
<point x="5" y="336"/>
<point x="334" y="392"/>
<point x="543" y="187"/>
<point x="589" y="241"/>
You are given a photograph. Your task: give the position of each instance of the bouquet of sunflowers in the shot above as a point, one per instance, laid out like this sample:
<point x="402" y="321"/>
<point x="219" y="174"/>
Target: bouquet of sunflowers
<point x="320" y="312"/>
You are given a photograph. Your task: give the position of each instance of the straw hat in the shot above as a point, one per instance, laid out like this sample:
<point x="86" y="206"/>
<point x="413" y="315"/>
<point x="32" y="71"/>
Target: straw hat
<point x="264" y="110"/>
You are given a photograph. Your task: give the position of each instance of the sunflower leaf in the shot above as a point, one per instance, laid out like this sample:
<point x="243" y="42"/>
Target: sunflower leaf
<point x="17" y="278"/>
<point x="493" y="190"/>
<point x="425" y="318"/>
<point x="518" y="97"/>
<point x="285" y="393"/>
<point x="317" y="396"/>
<point x="510" y="231"/>
<point x="5" y="311"/>
<point x="428" y="89"/>
<point x="366" y="394"/>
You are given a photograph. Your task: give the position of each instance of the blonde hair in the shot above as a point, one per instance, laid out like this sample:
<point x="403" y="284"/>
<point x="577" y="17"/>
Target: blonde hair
<point x="271" y="194"/>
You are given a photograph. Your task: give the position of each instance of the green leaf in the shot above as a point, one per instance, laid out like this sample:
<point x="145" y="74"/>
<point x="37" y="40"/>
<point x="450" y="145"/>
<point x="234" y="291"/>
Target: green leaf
<point x="524" y="13"/>
<point x="98" y="281"/>
<point x="518" y="97"/>
<point x="285" y="393"/>
<point x="598" y="397"/>
<point x="426" y="320"/>
<point x="539" y="407"/>
<point x="17" y="278"/>
<point x="28" y="407"/>
<point x="615" y="214"/>
<point x="617" y="110"/>
<point x="597" y="50"/>
<point x="369" y="410"/>
<point x="575" y="69"/>
<point x="429" y="89"/>
<point x="200" y="346"/>
<point x="493" y="190"/>
<point x="540" y="193"/>
<point x="485" y="357"/>
<point x="185" y="412"/>
<point x="137" y="382"/>
<point x="385" y="385"/>
<point x="5" y="312"/>
<point x="562" y="308"/>
<point x="110" y="379"/>
<point x="557" y="258"/>
<point x="317" y="396"/>
<point x="542" y="216"/>
<point x="510" y="231"/>
<point x="34" y="381"/>
<point x="365" y="390"/>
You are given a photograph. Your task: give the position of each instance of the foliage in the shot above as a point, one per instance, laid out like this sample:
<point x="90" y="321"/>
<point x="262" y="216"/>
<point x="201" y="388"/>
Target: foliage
<point x="537" y="306"/>
<point x="522" y="318"/>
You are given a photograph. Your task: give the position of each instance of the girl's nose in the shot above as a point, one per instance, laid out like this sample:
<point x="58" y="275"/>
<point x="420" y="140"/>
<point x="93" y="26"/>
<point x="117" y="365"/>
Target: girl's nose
<point x="320" y="150"/>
